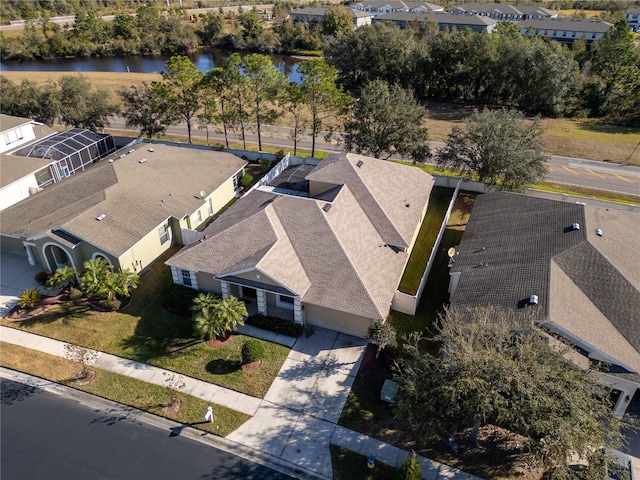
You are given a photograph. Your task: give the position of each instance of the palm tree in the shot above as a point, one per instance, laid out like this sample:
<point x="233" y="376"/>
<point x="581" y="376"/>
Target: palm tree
<point x="231" y="312"/>
<point x="119" y="283"/>
<point x="206" y="324"/>
<point x="63" y="278"/>
<point x="93" y="276"/>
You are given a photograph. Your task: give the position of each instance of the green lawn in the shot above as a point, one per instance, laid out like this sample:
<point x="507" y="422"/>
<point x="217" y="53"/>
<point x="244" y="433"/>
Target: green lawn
<point x="438" y="204"/>
<point x="122" y="389"/>
<point x="144" y="331"/>
<point x="348" y="465"/>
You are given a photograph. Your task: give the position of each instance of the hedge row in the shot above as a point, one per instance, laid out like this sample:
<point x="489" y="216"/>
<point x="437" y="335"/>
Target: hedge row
<point x="275" y="324"/>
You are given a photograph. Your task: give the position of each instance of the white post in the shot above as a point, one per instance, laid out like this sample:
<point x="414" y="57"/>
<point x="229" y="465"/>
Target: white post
<point x="262" y="301"/>
<point x="297" y="311"/>
<point x="208" y="417"/>
<point x="224" y="288"/>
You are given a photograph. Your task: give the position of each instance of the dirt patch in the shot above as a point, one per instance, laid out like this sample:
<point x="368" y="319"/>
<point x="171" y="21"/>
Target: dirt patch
<point x="45" y="304"/>
<point x="85" y="379"/>
<point x="173" y="407"/>
<point x="220" y="342"/>
<point x="253" y="365"/>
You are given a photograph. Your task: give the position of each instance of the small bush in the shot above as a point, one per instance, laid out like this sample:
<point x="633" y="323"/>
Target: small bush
<point x="42" y="277"/>
<point x="275" y="324"/>
<point x="265" y="164"/>
<point x="252" y="351"/>
<point x="75" y="294"/>
<point x="178" y="299"/>
<point x="411" y="469"/>
<point x="280" y="154"/>
<point x="110" y="305"/>
<point x="246" y="180"/>
<point x="29" y="298"/>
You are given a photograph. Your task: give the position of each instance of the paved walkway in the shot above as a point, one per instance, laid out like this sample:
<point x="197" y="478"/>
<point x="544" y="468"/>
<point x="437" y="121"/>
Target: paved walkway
<point x="297" y="420"/>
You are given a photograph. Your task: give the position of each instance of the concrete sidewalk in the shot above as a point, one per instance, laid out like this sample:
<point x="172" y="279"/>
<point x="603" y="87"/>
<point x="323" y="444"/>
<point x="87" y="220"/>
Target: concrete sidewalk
<point x="296" y="422"/>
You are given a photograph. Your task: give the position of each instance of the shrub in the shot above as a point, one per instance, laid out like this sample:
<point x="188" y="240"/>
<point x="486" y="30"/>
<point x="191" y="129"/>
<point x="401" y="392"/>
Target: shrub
<point x="42" y="277"/>
<point x="110" y="305"/>
<point x="178" y="299"/>
<point x="275" y="324"/>
<point x="75" y="294"/>
<point x="246" y="180"/>
<point x="265" y="164"/>
<point x="252" y="351"/>
<point x="29" y="298"/>
<point x="411" y="469"/>
<point x="280" y="154"/>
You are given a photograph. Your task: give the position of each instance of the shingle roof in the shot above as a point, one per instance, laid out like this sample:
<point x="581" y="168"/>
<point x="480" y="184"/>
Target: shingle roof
<point x="587" y="284"/>
<point x="397" y="4"/>
<point x="501" y="9"/>
<point x="134" y="196"/>
<point x="333" y="257"/>
<point x="8" y="122"/>
<point x="438" y="17"/>
<point x="320" y="11"/>
<point x="633" y="11"/>
<point x="568" y="24"/>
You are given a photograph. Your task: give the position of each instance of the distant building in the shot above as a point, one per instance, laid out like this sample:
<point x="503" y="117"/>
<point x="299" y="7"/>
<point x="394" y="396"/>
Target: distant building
<point x="442" y="19"/>
<point x="314" y="15"/>
<point x="381" y="7"/>
<point x="633" y="19"/>
<point x="566" y="30"/>
<point x="502" y="12"/>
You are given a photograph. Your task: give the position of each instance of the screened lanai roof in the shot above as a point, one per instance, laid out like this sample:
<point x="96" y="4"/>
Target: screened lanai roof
<point x="64" y="144"/>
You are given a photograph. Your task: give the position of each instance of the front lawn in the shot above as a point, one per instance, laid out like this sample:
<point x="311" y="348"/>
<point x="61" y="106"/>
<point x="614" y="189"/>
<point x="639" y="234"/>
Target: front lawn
<point x="146" y="332"/>
<point x="122" y="389"/>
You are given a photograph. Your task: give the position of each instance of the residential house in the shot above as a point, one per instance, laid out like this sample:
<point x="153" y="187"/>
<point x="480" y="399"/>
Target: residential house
<point x="565" y="30"/>
<point x="575" y="268"/>
<point x="381" y="7"/>
<point x="128" y="209"/>
<point x="503" y="12"/>
<point x="633" y="19"/>
<point x="329" y="250"/>
<point x="35" y="156"/>
<point x="314" y="15"/>
<point x="445" y="21"/>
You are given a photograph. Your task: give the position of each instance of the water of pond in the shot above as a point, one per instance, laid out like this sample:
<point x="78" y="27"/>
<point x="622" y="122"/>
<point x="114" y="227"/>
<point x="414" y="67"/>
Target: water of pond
<point x="205" y="61"/>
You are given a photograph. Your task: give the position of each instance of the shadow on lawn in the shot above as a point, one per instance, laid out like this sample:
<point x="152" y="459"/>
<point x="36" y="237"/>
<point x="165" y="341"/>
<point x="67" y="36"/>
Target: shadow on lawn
<point x="223" y="366"/>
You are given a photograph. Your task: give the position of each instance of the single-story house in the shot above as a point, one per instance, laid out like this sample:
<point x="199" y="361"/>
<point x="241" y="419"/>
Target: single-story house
<point x="574" y="267"/>
<point x="127" y="209"/>
<point x="330" y="252"/>
<point x="314" y="15"/>
<point x="503" y="12"/>
<point x="633" y="18"/>
<point x="565" y="30"/>
<point x="443" y="20"/>
<point x="380" y="7"/>
<point x="35" y="156"/>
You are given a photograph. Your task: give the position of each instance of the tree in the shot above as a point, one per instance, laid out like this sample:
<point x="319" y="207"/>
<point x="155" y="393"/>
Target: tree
<point x="336" y="21"/>
<point x="264" y="83"/>
<point x="81" y="355"/>
<point x="82" y="107"/>
<point x="146" y="108"/>
<point x="93" y="275"/>
<point x="499" y="148"/>
<point x="386" y="120"/>
<point x="181" y="89"/>
<point x="63" y="278"/>
<point x="213" y="317"/>
<point x="235" y="95"/>
<point x="100" y="281"/>
<point x="498" y="368"/>
<point x="29" y="100"/>
<point x="322" y="96"/>
<point x="212" y="27"/>
<point x="292" y="100"/>
<point x="383" y="335"/>
<point x="411" y="468"/>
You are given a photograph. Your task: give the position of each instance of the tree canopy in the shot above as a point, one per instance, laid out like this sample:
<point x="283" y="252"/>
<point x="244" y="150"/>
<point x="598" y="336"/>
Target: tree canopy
<point x="386" y="120"/>
<point x="495" y="369"/>
<point x="499" y="148"/>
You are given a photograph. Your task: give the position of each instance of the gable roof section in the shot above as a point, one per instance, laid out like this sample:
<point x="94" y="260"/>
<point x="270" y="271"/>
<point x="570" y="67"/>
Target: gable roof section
<point x="568" y="24"/>
<point x="9" y="122"/>
<point x="441" y="18"/>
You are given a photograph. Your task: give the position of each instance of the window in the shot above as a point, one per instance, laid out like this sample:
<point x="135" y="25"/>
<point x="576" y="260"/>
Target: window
<point x="13" y="136"/>
<point x="186" y="278"/>
<point x="284" y="302"/>
<point x="210" y="207"/>
<point x="197" y="218"/>
<point x="163" y="233"/>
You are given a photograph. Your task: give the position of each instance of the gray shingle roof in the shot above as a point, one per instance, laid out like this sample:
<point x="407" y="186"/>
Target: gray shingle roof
<point x="134" y="196"/>
<point x="567" y="24"/>
<point x="437" y="17"/>
<point x="514" y="245"/>
<point x="397" y="4"/>
<point x="8" y="122"/>
<point x="336" y="258"/>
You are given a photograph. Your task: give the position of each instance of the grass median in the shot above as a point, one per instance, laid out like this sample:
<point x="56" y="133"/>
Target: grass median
<point x="119" y="388"/>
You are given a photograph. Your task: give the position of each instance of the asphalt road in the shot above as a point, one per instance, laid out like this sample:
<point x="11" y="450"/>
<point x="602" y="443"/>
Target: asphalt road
<point x="48" y="436"/>
<point x="563" y="170"/>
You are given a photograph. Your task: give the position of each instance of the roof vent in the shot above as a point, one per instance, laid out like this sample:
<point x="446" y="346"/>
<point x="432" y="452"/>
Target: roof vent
<point x="150" y="150"/>
<point x="327" y="207"/>
<point x="123" y="155"/>
<point x="576" y="226"/>
<point x="101" y="217"/>
<point x="359" y="164"/>
<point x="142" y="160"/>
<point x="131" y="150"/>
<point x="598" y="232"/>
<point x="533" y="300"/>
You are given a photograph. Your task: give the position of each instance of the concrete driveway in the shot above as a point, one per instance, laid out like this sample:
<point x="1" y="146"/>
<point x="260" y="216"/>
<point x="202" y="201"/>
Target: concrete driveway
<point x="16" y="275"/>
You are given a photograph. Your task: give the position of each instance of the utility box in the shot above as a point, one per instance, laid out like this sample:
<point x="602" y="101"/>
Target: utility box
<point x="389" y="390"/>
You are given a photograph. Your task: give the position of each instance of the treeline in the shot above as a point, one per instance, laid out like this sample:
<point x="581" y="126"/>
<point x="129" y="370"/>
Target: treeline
<point x="504" y="68"/>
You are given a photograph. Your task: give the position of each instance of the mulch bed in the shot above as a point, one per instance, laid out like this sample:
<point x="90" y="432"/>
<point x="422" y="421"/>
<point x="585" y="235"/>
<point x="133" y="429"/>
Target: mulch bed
<point x="220" y="342"/>
<point x="253" y="365"/>
<point x="46" y="303"/>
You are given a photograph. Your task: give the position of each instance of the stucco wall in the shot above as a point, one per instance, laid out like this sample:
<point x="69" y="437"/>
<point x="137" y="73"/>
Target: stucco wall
<point x="12" y="245"/>
<point x="336" y="320"/>
<point x="18" y="190"/>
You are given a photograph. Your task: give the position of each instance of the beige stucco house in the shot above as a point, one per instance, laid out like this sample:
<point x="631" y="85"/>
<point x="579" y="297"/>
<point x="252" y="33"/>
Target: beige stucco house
<point x="128" y="208"/>
<point x="331" y="254"/>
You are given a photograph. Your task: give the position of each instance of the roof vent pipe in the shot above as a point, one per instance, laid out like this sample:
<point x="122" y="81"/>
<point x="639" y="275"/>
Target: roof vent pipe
<point x="576" y="226"/>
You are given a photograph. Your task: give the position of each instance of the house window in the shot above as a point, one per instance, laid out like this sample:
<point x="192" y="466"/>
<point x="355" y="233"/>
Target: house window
<point x="163" y="233"/>
<point x="593" y="35"/>
<point x="186" y="278"/>
<point x="210" y="207"/>
<point x="284" y="302"/>
<point x="13" y="136"/>
<point x="197" y="217"/>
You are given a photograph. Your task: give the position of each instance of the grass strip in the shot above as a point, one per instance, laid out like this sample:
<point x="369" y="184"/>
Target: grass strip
<point x="348" y="465"/>
<point x="119" y="388"/>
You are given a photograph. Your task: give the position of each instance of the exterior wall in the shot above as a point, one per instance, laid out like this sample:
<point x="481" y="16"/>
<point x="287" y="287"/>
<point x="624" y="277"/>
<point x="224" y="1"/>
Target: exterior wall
<point x="207" y="283"/>
<point x="177" y="277"/>
<point x="16" y="137"/>
<point x="336" y="320"/>
<point x="87" y="251"/>
<point x="145" y="251"/>
<point x="12" y="245"/>
<point x="255" y="275"/>
<point x="566" y="36"/>
<point x="18" y="190"/>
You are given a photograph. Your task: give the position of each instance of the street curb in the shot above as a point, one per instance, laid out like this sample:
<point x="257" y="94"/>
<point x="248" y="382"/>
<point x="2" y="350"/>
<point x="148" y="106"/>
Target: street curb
<point x="133" y="414"/>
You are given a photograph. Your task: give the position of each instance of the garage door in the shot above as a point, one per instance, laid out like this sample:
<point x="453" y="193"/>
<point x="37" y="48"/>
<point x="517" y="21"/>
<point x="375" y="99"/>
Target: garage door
<point x="335" y="320"/>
